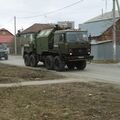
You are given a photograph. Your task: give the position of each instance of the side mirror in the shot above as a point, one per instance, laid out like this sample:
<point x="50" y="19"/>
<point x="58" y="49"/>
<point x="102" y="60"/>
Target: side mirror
<point x="90" y="38"/>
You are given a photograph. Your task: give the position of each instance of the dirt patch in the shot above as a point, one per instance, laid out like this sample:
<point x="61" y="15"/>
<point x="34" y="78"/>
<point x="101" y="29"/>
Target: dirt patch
<point x="10" y="74"/>
<point x="76" y="101"/>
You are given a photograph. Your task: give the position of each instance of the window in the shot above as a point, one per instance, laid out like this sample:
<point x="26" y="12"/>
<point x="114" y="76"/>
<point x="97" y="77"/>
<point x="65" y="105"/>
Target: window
<point x="44" y="33"/>
<point x="59" y="38"/>
<point x="77" y="36"/>
<point x="3" y="46"/>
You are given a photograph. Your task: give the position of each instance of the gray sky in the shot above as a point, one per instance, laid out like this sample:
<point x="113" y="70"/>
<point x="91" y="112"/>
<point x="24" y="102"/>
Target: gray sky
<point x="81" y="12"/>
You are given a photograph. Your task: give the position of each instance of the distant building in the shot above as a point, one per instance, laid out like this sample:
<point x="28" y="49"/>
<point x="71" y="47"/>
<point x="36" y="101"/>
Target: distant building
<point x="27" y="35"/>
<point x="69" y="24"/>
<point x="100" y="31"/>
<point x="100" y="28"/>
<point x="7" y="38"/>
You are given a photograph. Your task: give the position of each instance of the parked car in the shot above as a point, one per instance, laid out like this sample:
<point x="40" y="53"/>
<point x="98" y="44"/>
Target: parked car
<point x="3" y="51"/>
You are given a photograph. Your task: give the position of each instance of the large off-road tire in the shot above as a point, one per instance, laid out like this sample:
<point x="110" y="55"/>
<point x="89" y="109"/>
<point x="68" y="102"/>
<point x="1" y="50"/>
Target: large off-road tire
<point x="33" y="60"/>
<point x="49" y="62"/>
<point x="71" y="65"/>
<point x="81" y="65"/>
<point x="27" y="60"/>
<point x="59" y="64"/>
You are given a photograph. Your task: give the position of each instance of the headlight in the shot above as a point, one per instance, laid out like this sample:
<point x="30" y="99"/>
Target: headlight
<point x="89" y="50"/>
<point x="70" y="51"/>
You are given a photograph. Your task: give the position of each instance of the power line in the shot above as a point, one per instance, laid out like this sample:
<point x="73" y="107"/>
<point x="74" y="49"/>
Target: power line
<point x="54" y="11"/>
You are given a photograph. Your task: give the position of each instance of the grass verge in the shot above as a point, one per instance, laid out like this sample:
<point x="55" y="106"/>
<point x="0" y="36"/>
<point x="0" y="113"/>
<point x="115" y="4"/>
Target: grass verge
<point x="76" y="101"/>
<point x="9" y="74"/>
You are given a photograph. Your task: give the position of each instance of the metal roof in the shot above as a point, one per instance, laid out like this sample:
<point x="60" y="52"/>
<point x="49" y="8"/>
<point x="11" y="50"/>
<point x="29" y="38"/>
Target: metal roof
<point x="105" y="16"/>
<point x="98" y="25"/>
<point x="94" y="42"/>
<point x="96" y="28"/>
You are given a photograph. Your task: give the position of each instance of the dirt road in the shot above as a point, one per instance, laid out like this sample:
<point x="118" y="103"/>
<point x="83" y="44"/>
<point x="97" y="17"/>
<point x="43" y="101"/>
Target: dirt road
<point x="93" y="72"/>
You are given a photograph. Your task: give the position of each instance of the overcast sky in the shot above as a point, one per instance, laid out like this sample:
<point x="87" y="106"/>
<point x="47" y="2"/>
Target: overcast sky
<point x="23" y="9"/>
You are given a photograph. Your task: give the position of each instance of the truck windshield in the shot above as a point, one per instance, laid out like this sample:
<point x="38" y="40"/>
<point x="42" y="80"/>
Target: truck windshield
<point x="3" y="46"/>
<point x="76" y="36"/>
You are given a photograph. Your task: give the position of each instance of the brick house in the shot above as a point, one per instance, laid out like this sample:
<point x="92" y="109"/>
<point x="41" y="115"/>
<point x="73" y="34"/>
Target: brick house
<point x="100" y="29"/>
<point x="6" y="37"/>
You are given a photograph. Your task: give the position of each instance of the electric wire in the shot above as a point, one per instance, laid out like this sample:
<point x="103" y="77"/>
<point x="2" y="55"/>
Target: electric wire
<point x="52" y="12"/>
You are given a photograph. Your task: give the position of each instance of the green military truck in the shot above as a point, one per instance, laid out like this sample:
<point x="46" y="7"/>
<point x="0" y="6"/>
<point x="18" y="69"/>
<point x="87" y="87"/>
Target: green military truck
<point x="3" y="51"/>
<point x="57" y="48"/>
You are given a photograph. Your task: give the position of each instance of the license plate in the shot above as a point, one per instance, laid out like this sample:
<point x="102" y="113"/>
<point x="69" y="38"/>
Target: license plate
<point x="80" y="56"/>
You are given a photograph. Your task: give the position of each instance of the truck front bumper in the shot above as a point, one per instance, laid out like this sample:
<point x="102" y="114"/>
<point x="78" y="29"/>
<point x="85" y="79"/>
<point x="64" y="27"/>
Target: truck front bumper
<point x="79" y="58"/>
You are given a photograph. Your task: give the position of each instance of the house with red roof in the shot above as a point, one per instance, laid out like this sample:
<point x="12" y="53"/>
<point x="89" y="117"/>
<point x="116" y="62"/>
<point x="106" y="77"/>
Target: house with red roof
<point x="6" y="37"/>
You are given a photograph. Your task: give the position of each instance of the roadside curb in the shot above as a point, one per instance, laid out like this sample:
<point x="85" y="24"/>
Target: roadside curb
<point x="35" y="83"/>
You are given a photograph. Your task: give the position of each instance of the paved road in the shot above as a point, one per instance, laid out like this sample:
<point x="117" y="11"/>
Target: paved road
<point x="98" y="72"/>
<point x="93" y="72"/>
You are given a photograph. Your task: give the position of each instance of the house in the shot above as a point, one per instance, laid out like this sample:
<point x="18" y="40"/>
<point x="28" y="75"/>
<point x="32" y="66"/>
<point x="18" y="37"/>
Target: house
<point x="100" y="31"/>
<point x="27" y="35"/>
<point x="6" y="37"/>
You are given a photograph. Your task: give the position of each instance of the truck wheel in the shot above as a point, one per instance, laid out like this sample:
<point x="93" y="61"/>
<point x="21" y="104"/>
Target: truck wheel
<point x="49" y="62"/>
<point x="71" y="65"/>
<point x="27" y="60"/>
<point x="33" y="61"/>
<point x="81" y="65"/>
<point x="59" y="65"/>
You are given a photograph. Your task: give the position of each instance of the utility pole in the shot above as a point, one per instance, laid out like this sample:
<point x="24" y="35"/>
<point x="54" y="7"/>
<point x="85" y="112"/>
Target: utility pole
<point x="114" y="32"/>
<point x="106" y="4"/>
<point x="15" y="44"/>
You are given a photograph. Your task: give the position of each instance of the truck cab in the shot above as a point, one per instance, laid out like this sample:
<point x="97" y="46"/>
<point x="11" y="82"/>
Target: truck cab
<point x="72" y="43"/>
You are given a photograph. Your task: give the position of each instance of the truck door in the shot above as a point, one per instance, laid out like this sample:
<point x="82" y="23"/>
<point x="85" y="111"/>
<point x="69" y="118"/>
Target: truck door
<point x="62" y="43"/>
<point x="59" y="42"/>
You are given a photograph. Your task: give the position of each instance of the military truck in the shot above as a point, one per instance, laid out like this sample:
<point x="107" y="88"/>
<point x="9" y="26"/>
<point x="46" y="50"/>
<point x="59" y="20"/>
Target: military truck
<point x="3" y="51"/>
<point x="58" y="48"/>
